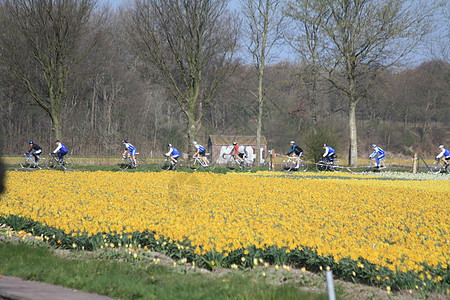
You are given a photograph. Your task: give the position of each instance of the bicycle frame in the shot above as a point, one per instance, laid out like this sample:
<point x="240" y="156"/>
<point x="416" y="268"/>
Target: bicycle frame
<point x="200" y="161"/>
<point x="373" y="163"/>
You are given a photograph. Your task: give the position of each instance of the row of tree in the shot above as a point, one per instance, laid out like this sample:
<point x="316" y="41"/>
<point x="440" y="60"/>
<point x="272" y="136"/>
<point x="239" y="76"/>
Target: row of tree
<point x="174" y="71"/>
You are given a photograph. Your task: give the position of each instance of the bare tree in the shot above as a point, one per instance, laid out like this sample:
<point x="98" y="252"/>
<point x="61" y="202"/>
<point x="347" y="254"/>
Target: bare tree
<point x="191" y="42"/>
<point x="362" y="37"/>
<point x="306" y="39"/>
<point x="264" y="20"/>
<point x="40" y="42"/>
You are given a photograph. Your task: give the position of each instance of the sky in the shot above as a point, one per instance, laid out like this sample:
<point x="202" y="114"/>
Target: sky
<point x="286" y="53"/>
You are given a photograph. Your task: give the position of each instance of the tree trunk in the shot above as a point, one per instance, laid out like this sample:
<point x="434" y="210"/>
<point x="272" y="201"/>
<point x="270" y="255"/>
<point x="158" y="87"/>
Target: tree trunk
<point x="94" y="96"/>
<point x="56" y="126"/>
<point x="192" y="130"/>
<point x="313" y="101"/>
<point x="260" y="114"/>
<point x="353" y="151"/>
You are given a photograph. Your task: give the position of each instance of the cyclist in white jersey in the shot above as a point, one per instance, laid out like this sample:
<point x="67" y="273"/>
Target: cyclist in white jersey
<point x="130" y="151"/>
<point x="201" y="152"/>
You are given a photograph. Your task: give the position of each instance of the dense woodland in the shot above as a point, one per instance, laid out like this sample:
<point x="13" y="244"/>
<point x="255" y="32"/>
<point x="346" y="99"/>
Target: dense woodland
<point x="113" y="94"/>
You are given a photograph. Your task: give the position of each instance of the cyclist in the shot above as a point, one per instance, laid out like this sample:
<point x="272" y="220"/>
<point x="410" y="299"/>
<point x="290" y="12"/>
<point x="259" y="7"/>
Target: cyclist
<point x="201" y="152"/>
<point x="444" y="155"/>
<point x="129" y="151"/>
<point x="378" y="153"/>
<point x="173" y="154"/>
<point x="60" y="150"/>
<point x="329" y="153"/>
<point x="35" y="150"/>
<point x="238" y="152"/>
<point x="295" y="151"/>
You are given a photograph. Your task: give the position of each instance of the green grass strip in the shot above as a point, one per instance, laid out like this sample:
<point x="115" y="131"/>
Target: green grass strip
<point x="133" y="281"/>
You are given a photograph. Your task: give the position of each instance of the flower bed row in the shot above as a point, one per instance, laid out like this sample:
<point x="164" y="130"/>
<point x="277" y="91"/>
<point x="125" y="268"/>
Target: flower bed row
<point x="385" y="233"/>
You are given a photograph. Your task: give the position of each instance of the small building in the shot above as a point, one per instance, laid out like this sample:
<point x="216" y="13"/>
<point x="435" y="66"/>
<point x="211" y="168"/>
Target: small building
<point x="223" y="144"/>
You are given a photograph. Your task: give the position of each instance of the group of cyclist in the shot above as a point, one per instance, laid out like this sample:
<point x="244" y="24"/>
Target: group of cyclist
<point x="238" y="153"/>
<point x="36" y="151"/>
<point x="378" y="153"/>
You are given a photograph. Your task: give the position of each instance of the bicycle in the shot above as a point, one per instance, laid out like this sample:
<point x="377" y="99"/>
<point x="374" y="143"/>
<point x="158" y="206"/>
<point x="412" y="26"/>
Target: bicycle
<point x="291" y="163"/>
<point x="233" y="164"/>
<point x="372" y="167"/>
<point x="29" y="163"/>
<point x="196" y="162"/>
<point x="167" y="164"/>
<point x="334" y="166"/>
<point x="127" y="163"/>
<point x="65" y="163"/>
<point x="437" y="167"/>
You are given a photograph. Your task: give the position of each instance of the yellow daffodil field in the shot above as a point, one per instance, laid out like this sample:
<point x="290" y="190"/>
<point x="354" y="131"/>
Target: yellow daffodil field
<point x="374" y="230"/>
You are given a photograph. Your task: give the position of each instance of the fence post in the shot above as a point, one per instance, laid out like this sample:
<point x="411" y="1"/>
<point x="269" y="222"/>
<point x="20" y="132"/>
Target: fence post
<point x="272" y="160"/>
<point x="330" y="285"/>
<point x="415" y="163"/>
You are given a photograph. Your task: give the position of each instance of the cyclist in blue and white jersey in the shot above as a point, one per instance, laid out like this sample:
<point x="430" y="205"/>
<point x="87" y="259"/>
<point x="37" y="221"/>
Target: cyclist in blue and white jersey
<point x="173" y="153"/>
<point x="131" y="150"/>
<point x="444" y="155"/>
<point x="329" y="153"/>
<point x="201" y="152"/>
<point x="378" y="153"/>
<point x="295" y="151"/>
<point x="60" y="150"/>
<point x="35" y="150"/>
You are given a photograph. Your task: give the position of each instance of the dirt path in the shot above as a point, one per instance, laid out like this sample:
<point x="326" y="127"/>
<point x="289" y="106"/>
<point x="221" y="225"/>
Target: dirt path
<point x="16" y="288"/>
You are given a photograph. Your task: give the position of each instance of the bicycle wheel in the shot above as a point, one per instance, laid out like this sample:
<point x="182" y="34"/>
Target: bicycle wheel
<point x="321" y="166"/>
<point x="67" y="163"/>
<point x="52" y="162"/>
<point x="303" y="166"/>
<point x="287" y="165"/>
<point x="337" y="166"/>
<point x="385" y="166"/>
<point x="179" y="165"/>
<point x="26" y="163"/>
<point x="164" y="165"/>
<point x="140" y="164"/>
<point x="248" y="165"/>
<point x="42" y="163"/>
<point x="124" y="163"/>
<point x="193" y="164"/>
<point x="232" y="164"/>
<point x="211" y="166"/>
<point x="436" y="167"/>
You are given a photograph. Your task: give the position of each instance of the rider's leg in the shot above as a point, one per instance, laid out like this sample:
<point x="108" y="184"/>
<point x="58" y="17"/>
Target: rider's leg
<point x="331" y="157"/>
<point x="445" y="160"/>
<point x="377" y="159"/>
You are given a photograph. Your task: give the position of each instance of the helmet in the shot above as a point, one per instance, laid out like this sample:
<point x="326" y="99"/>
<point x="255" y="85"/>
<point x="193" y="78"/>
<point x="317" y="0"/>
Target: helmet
<point x="169" y="145"/>
<point x="57" y="141"/>
<point x="324" y="145"/>
<point x="234" y="143"/>
<point x="31" y="142"/>
<point x="441" y="146"/>
<point x="373" y="146"/>
<point x="291" y="142"/>
<point x="194" y="142"/>
<point x="124" y="141"/>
